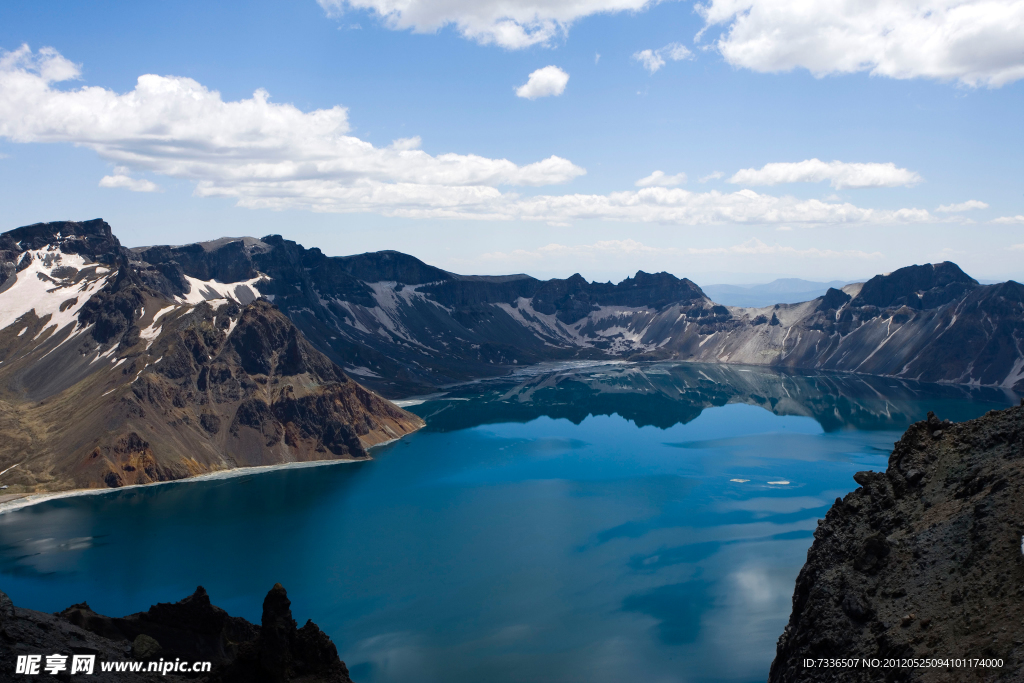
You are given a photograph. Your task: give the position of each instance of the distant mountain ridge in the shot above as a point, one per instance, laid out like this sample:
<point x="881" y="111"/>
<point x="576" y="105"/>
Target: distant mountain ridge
<point x="405" y="327"/>
<point x="780" y="291"/>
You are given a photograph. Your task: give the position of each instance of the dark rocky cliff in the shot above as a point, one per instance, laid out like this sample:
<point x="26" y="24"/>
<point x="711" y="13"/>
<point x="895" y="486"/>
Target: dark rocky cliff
<point x="923" y="560"/>
<point x="192" y="630"/>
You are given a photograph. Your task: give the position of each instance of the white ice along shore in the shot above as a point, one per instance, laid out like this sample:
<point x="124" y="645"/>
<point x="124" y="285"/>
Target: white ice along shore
<point x="36" y="498"/>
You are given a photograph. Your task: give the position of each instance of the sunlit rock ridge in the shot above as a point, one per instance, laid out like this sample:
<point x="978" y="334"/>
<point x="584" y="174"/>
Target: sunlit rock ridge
<point x="404" y="327"/>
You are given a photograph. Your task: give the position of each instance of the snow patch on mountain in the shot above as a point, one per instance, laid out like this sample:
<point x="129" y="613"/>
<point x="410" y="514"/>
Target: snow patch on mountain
<point x="51" y="286"/>
<point x="244" y="292"/>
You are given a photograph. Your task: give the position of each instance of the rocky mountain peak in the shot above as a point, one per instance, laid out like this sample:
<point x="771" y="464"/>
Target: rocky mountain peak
<point x="222" y="260"/>
<point x="92" y="239"/>
<point x="389" y="266"/>
<point x="833" y="299"/>
<point x="145" y="372"/>
<point x="917" y="287"/>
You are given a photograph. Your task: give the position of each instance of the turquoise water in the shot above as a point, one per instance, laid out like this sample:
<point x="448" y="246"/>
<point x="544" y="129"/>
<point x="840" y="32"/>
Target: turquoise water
<point x="578" y="525"/>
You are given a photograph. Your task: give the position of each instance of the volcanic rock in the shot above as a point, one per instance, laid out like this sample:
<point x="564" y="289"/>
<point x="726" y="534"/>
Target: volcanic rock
<point x="106" y="380"/>
<point x="923" y="561"/>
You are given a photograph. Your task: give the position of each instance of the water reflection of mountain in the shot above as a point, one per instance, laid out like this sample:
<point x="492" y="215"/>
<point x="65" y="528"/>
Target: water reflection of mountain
<point x="665" y="394"/>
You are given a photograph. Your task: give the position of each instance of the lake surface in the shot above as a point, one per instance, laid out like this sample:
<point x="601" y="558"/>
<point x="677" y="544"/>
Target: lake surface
<point x="618" y="522"/>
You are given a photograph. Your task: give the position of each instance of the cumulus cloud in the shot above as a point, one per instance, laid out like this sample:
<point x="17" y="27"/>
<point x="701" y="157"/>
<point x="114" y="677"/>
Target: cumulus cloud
<point x="274" y="156"/>
<point x="840" y="175"/>
<point x="714" y="175"/>
<point x="659" y="179"/>
<point x="1009" y="220"/>
<point x="122" y="179"/>
<point x="263" y="153"/>
<point x="977" y="42"/>
<point x="652" y="60"/>
<point x="678" y="206"/>
<point x="512" y="24"/>
<point x="631" y="247"/>
<point x="969" y="205"/>
<point x="544" y="82"/>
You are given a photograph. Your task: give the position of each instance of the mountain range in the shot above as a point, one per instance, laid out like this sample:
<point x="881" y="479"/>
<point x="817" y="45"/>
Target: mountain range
<point x="126" y="366"/>
<point x="404" y="327"/>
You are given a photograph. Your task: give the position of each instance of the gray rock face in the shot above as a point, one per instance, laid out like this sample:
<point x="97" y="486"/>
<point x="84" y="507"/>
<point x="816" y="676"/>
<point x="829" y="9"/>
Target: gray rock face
<point x="922" y="561"/>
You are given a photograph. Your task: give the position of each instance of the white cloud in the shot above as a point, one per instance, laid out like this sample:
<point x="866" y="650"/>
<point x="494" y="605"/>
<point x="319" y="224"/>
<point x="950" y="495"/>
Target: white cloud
<point x="274" y="156"/>
<point x="751" y="247"/>
<point x="404" y="144"/>
<point x="1009" y="220"/>
<point x="263" y="153"/>
<point x="123" y="180"/>
<point x="977" y="42"/>
<point x="597" y="57"/>
<point x="544" y="82"/>
<point x="653" y="60"/>
<point x="963" y="206"/>
<point x="681" y="207"/>
<point x="712" y="176"/>
<point x="512" y="24"/>
<point x="841" y="175"/>
<point x="659" y="179"/>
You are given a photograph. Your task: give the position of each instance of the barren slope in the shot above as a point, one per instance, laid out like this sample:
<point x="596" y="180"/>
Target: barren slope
<point x="106" y="381"/>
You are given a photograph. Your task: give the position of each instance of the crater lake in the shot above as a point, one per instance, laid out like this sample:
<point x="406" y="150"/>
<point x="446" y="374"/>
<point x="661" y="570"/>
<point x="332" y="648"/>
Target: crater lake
<point x="588" y="522"/>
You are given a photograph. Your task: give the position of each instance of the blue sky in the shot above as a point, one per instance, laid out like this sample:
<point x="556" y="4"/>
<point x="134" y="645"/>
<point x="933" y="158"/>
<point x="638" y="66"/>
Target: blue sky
<point x="933" y="117"/>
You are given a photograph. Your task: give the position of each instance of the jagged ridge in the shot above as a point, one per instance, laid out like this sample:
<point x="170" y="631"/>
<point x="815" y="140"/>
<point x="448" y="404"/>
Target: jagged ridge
<point x="405" y="327"/>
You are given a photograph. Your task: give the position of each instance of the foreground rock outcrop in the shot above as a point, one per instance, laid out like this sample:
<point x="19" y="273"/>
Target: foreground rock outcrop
<point x="192" y="630"/>
<point x="922" y="561"/>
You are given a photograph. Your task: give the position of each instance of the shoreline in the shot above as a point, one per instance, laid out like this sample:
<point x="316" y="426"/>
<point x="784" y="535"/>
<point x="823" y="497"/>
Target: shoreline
<point x="30" y="499"/>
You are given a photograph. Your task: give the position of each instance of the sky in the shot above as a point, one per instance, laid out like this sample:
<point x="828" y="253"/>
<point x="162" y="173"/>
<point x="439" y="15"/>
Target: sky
<point x="726" y="141"/>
